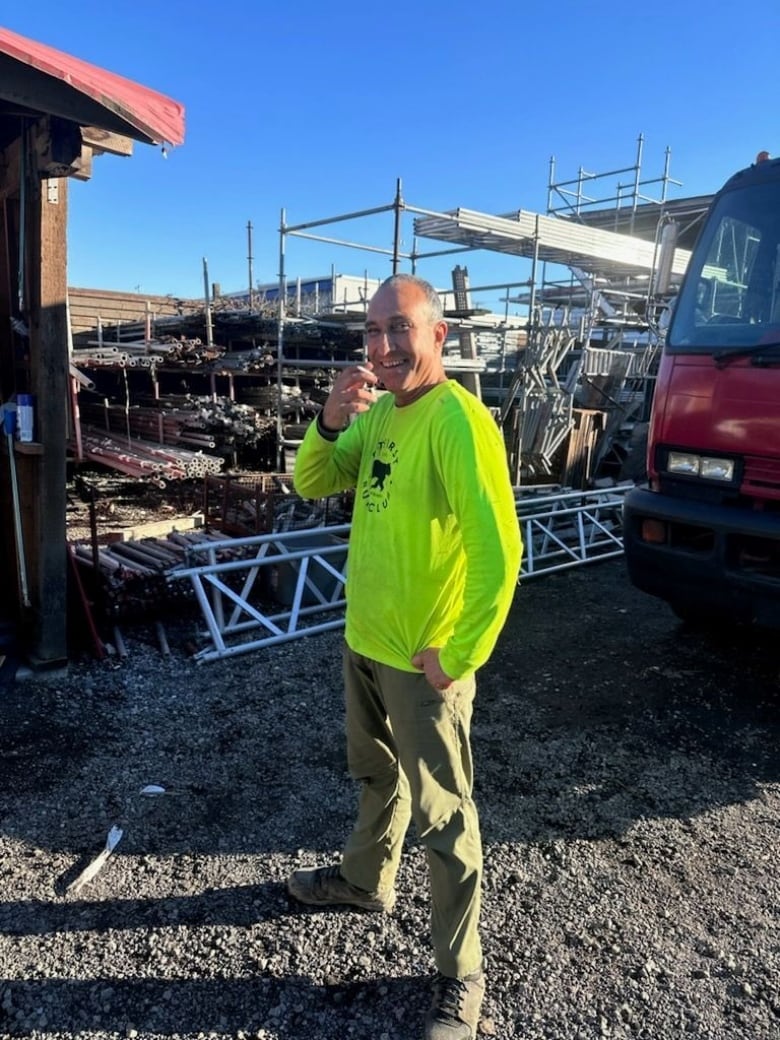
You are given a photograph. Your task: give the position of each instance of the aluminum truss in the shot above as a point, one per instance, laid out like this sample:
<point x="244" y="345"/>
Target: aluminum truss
<point x="237" y="581"/>
<point x="569" y="528"/>
<point x="234" y="586"/>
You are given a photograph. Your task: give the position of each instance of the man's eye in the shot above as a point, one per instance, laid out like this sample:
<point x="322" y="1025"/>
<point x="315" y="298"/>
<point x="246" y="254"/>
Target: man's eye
<point x="395" y="328"/>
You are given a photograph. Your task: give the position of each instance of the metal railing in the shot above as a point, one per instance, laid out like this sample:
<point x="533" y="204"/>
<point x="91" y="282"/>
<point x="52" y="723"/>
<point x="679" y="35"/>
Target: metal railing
<point x="263" y="590"/>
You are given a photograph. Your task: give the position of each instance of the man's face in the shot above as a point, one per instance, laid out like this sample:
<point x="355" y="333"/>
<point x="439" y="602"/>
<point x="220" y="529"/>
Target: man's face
<point x="404" y="344"/>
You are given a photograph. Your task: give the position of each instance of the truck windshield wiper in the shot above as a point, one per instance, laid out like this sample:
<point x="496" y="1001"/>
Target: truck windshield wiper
<point x="722" y="357"/>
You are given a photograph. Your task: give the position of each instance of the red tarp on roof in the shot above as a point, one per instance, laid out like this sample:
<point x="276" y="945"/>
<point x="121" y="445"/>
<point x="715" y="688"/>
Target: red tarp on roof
<point x="157" y="117"/>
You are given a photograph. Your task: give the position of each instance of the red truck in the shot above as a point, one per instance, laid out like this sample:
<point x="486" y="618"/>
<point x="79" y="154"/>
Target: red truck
<point x="704" y="532"/>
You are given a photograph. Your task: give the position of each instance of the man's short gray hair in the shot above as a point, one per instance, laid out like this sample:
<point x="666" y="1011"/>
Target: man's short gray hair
<point x="432" y="298"/>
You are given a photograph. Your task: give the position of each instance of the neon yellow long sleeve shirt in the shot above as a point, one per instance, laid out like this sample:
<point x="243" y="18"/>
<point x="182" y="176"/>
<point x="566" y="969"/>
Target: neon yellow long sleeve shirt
<point x="435" y="546"/>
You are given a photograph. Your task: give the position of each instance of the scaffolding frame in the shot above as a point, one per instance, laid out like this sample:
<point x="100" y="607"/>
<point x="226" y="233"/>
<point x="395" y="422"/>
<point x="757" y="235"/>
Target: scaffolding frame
<point x="610" y="293"/>
<point x="399" y="207"/>
<point x="575" y="202"/>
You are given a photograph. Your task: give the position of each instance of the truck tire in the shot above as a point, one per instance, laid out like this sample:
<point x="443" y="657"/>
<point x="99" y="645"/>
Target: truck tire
<point x="700" y="618"/>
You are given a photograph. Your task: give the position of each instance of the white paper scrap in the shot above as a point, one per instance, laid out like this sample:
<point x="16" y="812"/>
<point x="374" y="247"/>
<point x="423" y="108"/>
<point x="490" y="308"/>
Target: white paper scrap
<point x="97" y="864"/>
<point x="151" y="790"/>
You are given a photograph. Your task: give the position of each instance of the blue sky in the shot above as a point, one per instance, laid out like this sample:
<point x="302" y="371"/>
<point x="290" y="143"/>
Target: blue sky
<point x="318" y="109"/>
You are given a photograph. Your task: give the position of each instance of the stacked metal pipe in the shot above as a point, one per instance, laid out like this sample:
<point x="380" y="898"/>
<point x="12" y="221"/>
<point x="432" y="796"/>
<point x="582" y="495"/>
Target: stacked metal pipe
<point x="168" y="350"/>
<point x="137" y="458"/>
<point x="203" y="422"/>
<point x="128" y="578"/>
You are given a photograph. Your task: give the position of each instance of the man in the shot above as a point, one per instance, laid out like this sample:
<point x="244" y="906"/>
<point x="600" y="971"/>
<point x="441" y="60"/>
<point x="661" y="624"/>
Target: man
<point x="434" y="555"/>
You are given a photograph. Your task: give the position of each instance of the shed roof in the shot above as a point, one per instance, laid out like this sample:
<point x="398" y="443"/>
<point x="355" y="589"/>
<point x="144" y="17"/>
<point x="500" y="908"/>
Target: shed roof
<point x="41" y="78"/>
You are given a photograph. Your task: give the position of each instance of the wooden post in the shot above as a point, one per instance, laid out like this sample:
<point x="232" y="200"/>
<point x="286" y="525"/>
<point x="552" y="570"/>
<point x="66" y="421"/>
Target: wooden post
<point x="46" y="268"/>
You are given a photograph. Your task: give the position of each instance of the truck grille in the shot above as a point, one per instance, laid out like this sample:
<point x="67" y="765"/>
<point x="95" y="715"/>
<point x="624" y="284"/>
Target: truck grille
<point x="761" y="477"/>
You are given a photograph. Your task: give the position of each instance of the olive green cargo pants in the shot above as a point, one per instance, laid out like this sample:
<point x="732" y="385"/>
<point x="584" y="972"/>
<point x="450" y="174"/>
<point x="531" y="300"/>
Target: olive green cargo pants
<point x="408" y="746"/>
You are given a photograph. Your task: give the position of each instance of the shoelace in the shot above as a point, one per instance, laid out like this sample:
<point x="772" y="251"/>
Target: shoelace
<point x="327" y="873"/>
<point x="449" y="994"/>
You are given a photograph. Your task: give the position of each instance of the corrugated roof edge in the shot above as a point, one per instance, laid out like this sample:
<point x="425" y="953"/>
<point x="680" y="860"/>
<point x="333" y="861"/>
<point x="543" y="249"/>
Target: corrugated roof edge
<point x="157" y="118"/>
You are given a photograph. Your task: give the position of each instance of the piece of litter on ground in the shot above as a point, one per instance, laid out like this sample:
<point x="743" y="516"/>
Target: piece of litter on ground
<point x="151" y="790"/>
<point x="97" y="864"/>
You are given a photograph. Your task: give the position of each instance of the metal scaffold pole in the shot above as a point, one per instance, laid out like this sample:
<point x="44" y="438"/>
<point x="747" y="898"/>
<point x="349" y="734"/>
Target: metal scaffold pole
<point x="398" y="206"/>
<point x="207" y="298"/>
<point x="280" y="344"/>
<point x="250" y="259"/>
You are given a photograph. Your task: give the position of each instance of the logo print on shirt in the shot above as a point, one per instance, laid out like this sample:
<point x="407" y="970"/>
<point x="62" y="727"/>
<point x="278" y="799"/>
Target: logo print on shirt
<point x="380" y="471"/>
<point x="375" y="490"/>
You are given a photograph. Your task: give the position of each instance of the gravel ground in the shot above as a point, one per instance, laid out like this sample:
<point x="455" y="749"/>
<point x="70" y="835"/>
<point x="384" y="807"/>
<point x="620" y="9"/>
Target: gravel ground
<point x="628" y="779"/>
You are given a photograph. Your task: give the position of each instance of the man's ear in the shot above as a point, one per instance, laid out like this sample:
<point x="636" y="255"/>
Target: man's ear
<point x="440" y="333"/>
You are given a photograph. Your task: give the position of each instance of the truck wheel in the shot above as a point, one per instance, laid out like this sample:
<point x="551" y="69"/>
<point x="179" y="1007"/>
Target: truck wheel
<point x="700" y="617"/>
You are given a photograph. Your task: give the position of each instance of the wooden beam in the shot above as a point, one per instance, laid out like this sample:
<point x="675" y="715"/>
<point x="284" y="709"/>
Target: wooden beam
<point x="57" y="146"/>
<point x="9" y="170"/>
<point x="94" y="142"/>
<point x="101" y="141"/>
<point x="82" y="167"/>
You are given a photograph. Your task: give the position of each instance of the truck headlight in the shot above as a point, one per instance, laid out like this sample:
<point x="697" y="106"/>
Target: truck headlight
<point x="717" y="469"/>
<point x="705" y="466"/>
<point x="682" y="462"/>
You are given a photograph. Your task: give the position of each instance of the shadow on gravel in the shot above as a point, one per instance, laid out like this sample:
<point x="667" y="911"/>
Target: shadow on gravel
<point x="285" y="1007"/>
<point x="239" y="906"/>
<point x="626" y="714"/>
<point x="597" y="709"/>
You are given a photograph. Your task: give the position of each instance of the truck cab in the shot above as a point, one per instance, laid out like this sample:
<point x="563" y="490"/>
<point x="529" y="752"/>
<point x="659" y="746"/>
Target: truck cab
<point x="704" y="533"/>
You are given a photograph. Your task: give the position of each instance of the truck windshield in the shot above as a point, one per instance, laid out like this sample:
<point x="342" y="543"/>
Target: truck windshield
<point x="730" y="299"/>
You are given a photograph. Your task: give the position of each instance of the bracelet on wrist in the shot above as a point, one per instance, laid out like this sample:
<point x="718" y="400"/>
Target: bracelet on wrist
<point x="325" y="431"/>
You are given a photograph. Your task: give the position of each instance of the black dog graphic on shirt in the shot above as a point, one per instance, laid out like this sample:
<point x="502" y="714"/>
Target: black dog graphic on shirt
<point x="380" y="471"/>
